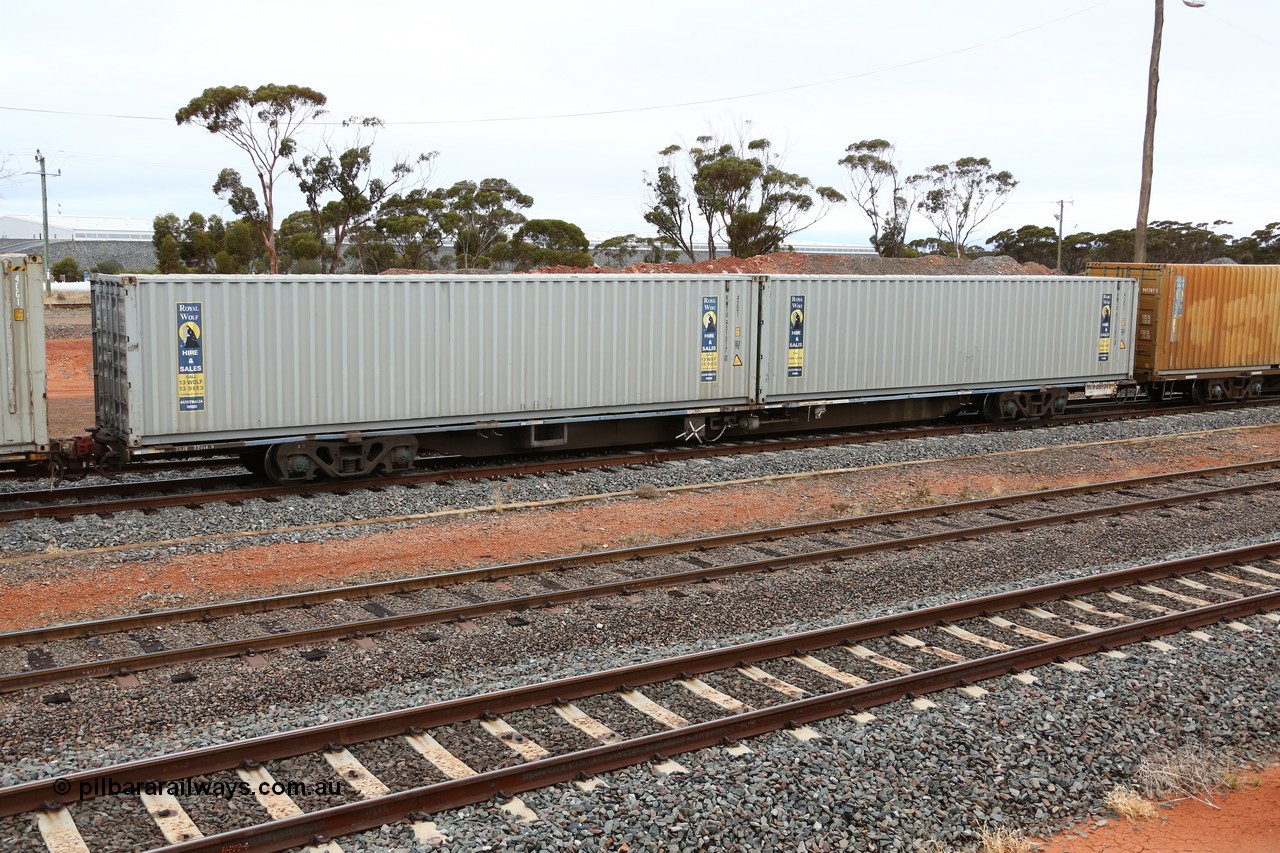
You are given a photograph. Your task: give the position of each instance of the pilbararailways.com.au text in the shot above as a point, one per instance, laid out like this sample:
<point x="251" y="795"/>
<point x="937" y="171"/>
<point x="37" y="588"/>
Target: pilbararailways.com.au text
<point x="90" y="788"/>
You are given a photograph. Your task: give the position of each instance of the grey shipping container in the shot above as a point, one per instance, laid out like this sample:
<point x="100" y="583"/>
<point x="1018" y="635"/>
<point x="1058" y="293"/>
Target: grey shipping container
<point x="186" y="360"/>
<point x="23" y="417"/>
<point x="886" y="337"/>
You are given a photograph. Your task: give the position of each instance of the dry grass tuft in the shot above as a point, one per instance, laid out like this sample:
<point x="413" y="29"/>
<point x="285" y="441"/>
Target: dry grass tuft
<point x="499" y="495"/>
<point x="997" y="840"/>
<point x="931" y="845"/>
<point x="1003" y="840"/>
<point x="648" y="491"/>
<point x="1191" y="773"/>
<point x="1128" y="803"/>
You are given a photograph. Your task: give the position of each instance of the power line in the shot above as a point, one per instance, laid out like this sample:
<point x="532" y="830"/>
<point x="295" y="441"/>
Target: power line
<point x="1241" y="29"/>
<point x="653" y="107"/>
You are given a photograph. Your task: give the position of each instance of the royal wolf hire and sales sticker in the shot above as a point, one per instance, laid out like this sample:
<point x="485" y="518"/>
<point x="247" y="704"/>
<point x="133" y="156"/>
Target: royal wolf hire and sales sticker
<point x="190" y="357"/>
<point x="710" y="362"/>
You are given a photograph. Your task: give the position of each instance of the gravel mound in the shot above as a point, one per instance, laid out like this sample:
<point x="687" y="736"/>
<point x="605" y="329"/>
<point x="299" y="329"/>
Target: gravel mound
<point x="796" y="263"/>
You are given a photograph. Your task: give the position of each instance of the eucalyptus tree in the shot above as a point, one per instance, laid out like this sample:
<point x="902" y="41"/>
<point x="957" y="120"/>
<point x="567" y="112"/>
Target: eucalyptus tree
<point x="341" y="190"/>
<point x="669" y="209"/>
<point x="743" y="194"/>
<point x="883" y="194"/>
<point x="408" y="225"/>
<point x="261" y="122"/>
<point x="547" y="242"/>
<point x="480" y="216"/>
<point x="958" y="197"/>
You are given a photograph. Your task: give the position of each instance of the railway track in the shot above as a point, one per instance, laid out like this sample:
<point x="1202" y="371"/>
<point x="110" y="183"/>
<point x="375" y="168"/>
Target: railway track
<point x="62" y="653"/>
<point x="105" y="499"/>
<point x="587" y="724"/>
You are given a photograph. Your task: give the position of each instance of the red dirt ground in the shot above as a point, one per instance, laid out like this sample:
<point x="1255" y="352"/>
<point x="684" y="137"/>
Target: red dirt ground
<point x="1246" y="821"/>
<point x="69" y="366"/>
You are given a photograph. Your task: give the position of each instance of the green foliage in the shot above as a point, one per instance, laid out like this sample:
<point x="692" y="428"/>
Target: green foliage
<point x="262" y="123"/>
<point x="242" y="243"/>
<point x="628" y="249"/>
<point x="225" y="263"/>
<point x="1167" y="243"/>
<point x="743" y="194"/>
<point x="1261" y="247"/>
<point x="200" y="241"/>
<point x="306" y="266"/>
<point x="479" y="217"/>
<point x="669" y="211"/>
<point x="347" y="176"/>
<point x="368" y="251"/>
<point x="1184" y="243"/>
<point x="196" y="244"/>
<point x="881" y="192"/>
<point x="410" y="227"/>
<point x="617" y="251"/>
<point x="66" y="270"/>
<point x="548" y="242"/>
<point x="409" y="230"/>
<point x="1028" y="244"/>
<point x="165" y="225"/>
<point x="299" y="245"/>
<point x="169" y="255"/>
<point x="109" y="267"/>
<point x="934" y="246"/>
<point x="958" y="197"/>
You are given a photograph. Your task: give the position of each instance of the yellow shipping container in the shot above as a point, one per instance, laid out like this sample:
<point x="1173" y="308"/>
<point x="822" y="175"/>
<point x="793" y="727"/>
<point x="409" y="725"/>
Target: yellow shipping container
<point x="1211" y="329"/>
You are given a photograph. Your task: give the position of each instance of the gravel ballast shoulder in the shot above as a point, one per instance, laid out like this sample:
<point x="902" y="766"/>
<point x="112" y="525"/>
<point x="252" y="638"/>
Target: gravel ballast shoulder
<point x="1035" y="757"/>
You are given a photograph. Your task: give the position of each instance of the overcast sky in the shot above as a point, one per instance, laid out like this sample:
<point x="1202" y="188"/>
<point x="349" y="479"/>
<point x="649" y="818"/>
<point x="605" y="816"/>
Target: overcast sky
<point x="571" y="101"/>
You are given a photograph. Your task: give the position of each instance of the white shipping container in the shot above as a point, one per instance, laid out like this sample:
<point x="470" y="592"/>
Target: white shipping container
<point x="23" y="417"/>
<point x="189" y="359"/>
<point x="862" y="337"/>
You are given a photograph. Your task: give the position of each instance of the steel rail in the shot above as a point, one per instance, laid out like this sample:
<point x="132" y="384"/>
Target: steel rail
<point x="629" y="457"/>
<point x="243" y="607"/>
<point x="118" y="488"/>
<point x="370" y="814"/>
<point x="262" y="642"/>
<point x="520" y="468"/>
<point x="64" y="789"/>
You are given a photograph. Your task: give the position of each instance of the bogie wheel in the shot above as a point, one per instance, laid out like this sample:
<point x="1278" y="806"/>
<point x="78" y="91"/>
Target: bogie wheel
<point x="1207" y="391"/>
<point x="999" y="407"/>
<point x="288" y="467"/>
<point x="1056" y="404"/>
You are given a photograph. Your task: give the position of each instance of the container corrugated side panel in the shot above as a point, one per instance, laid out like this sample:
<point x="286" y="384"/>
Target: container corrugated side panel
<point x="878" y="336"/>
<point x="1230" y="319"/>
<point x="1202" y="318"/>
<point x="292" y="355"/>
<point x="23" y="414"/>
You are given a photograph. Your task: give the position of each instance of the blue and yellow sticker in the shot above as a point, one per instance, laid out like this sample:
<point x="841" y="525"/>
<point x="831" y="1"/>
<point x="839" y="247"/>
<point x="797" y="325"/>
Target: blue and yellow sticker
<point x="710" y="324"/>
<point x="191" y="356"/>
<point x="1104" y="329"/>
<point x="795" y="338"/>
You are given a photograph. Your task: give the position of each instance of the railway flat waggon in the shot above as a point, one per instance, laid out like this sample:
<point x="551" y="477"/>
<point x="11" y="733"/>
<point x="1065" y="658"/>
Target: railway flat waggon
<point x="337" y="375"/>
<point x="353" y="375"/>
<point x="1018" y="346"/>
<point x="24" y="430"/>
<point x="1210" y="331"/>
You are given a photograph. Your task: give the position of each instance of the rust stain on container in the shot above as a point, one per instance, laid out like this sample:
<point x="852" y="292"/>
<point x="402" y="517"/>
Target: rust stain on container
<point x="1201" y="319"/>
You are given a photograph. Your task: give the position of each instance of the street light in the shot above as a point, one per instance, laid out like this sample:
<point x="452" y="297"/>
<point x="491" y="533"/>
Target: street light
<point x="1149" y="136"/>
